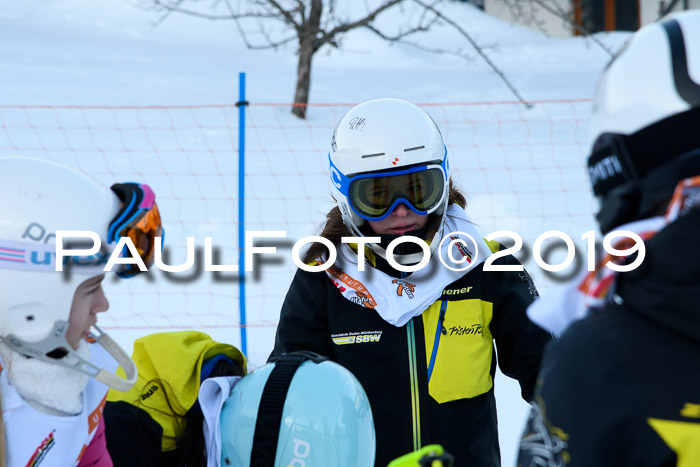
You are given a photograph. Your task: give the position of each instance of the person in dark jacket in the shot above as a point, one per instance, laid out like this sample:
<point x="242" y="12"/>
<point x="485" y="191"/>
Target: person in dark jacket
<point x="417" y="333"/>
<point x="622" y="385"/>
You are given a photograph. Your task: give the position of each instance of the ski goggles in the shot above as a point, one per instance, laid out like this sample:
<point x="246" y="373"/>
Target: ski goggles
<point x="374" y="196"/>
<point x="138" y="219"/>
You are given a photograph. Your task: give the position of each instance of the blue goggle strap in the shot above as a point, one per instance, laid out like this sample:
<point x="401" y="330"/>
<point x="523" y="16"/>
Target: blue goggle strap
<point x="133" y="196"/>
<point x="342" y="183"/>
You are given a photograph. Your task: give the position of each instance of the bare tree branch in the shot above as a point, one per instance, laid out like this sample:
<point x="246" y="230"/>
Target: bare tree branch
<point x="174" y="7"/>
<point x="398" y="37"/>
<point x="289" y="19"/>
<point x="271" y="44"/>
<point x="585" y="32"/>
<point x="305" y="18"/>
<point x="421" y="26"/>
<point x="237" y="22"/>
<point x="165" y="15"/>
<point x="345" y="27"/>
<point x="438" y="50"/>
<point x="302" y="10"/>
<point x="556" y="10"/>
<point x="527" y="15"/>
<point x="478" y="49"/>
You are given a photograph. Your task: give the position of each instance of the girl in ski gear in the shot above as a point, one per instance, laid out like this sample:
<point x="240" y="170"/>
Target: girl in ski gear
<point x="415" y="324"/>
<point x="56" y="365"/>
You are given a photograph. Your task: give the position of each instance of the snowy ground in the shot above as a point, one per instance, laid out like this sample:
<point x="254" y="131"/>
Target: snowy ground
<point x="77" y="52"/>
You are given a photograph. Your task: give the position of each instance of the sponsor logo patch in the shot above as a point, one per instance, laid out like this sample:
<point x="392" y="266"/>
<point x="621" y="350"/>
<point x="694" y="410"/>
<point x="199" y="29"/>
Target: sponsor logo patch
<point x="356" y="337"/>
<point x="343" y="282"/>
<point x="42" y="450"/>
<point x="605" y="169"/>
<point x="404" y="286"/>
<point x="462" y="248"/>
<point x="457" y="291"/>
<point x="466" y="330"/>
<point x="152" y="390"/>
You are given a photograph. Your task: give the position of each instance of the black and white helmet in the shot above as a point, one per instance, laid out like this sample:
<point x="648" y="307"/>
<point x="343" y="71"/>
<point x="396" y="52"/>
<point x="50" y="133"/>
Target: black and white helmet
<point x="644" y="134"/>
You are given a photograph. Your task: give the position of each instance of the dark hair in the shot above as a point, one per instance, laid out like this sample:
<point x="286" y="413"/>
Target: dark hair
<point x="334" y="228"/>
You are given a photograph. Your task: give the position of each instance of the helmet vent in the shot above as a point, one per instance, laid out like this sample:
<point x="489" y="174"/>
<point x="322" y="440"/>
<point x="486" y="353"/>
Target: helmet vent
<point x="30" y="317"/>
<point x="414" y="149"/>
<point x="373" y="155"/>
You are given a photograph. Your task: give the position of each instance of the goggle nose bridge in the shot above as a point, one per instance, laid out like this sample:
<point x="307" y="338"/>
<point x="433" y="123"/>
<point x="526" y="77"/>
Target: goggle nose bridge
<point x="399" y="197"/>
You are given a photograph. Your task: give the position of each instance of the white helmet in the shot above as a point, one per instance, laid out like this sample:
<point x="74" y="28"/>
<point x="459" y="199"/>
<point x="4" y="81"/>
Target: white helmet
<point x="644" y="128"/>
<point x="381" y="140"/>
<point x="39" y="198"/>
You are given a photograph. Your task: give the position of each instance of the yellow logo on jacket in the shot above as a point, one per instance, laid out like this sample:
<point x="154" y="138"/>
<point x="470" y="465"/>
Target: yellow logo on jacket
<point x="457" y="291"/>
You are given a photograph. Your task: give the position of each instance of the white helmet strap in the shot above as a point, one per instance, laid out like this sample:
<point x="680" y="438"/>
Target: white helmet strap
<point x="57" y="339"/>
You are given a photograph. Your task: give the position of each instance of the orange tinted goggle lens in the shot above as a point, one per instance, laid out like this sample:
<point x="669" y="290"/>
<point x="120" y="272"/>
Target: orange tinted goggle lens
<point x="142" y="234"/>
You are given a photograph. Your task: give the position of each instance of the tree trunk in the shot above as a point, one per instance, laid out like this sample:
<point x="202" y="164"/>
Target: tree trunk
<point x="301" y="96"/>
<point x="307" y="48"/>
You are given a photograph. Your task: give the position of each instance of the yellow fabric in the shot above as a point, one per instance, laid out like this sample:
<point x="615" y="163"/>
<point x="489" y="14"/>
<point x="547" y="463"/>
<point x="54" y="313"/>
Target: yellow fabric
<point x="369" y="254"/>
<point x="494" y="246"/>
<point x="174" y="358"/>
<point x="691" y="410"/>
<point x="682" y="437"/>
<point x="424" y="454"/>
<point x="462" y="367"/>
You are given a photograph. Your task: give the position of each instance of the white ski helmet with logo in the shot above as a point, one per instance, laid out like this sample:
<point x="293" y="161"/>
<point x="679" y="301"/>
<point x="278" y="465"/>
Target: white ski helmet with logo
<point x="643" y="131"/>
<point x="39" y="198"/>
<point x="380" y="137"/>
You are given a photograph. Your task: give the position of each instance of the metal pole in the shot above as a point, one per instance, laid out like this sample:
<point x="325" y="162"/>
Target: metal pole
<point x="241" y="104"/>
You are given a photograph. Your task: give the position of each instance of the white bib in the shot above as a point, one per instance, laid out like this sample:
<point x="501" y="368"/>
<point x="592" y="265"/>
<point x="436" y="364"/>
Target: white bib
<point x="563" y="304"/>
<point x="37" y="438"/>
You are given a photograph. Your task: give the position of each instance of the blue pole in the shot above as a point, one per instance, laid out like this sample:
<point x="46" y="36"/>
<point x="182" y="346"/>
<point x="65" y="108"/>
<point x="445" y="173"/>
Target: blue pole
<point x="241" y="104"/>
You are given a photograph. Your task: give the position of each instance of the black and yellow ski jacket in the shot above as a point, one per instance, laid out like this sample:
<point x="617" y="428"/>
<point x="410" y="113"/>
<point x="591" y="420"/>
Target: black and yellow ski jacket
<point x="431" y="380"/>
<point x="622" y="387"/>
